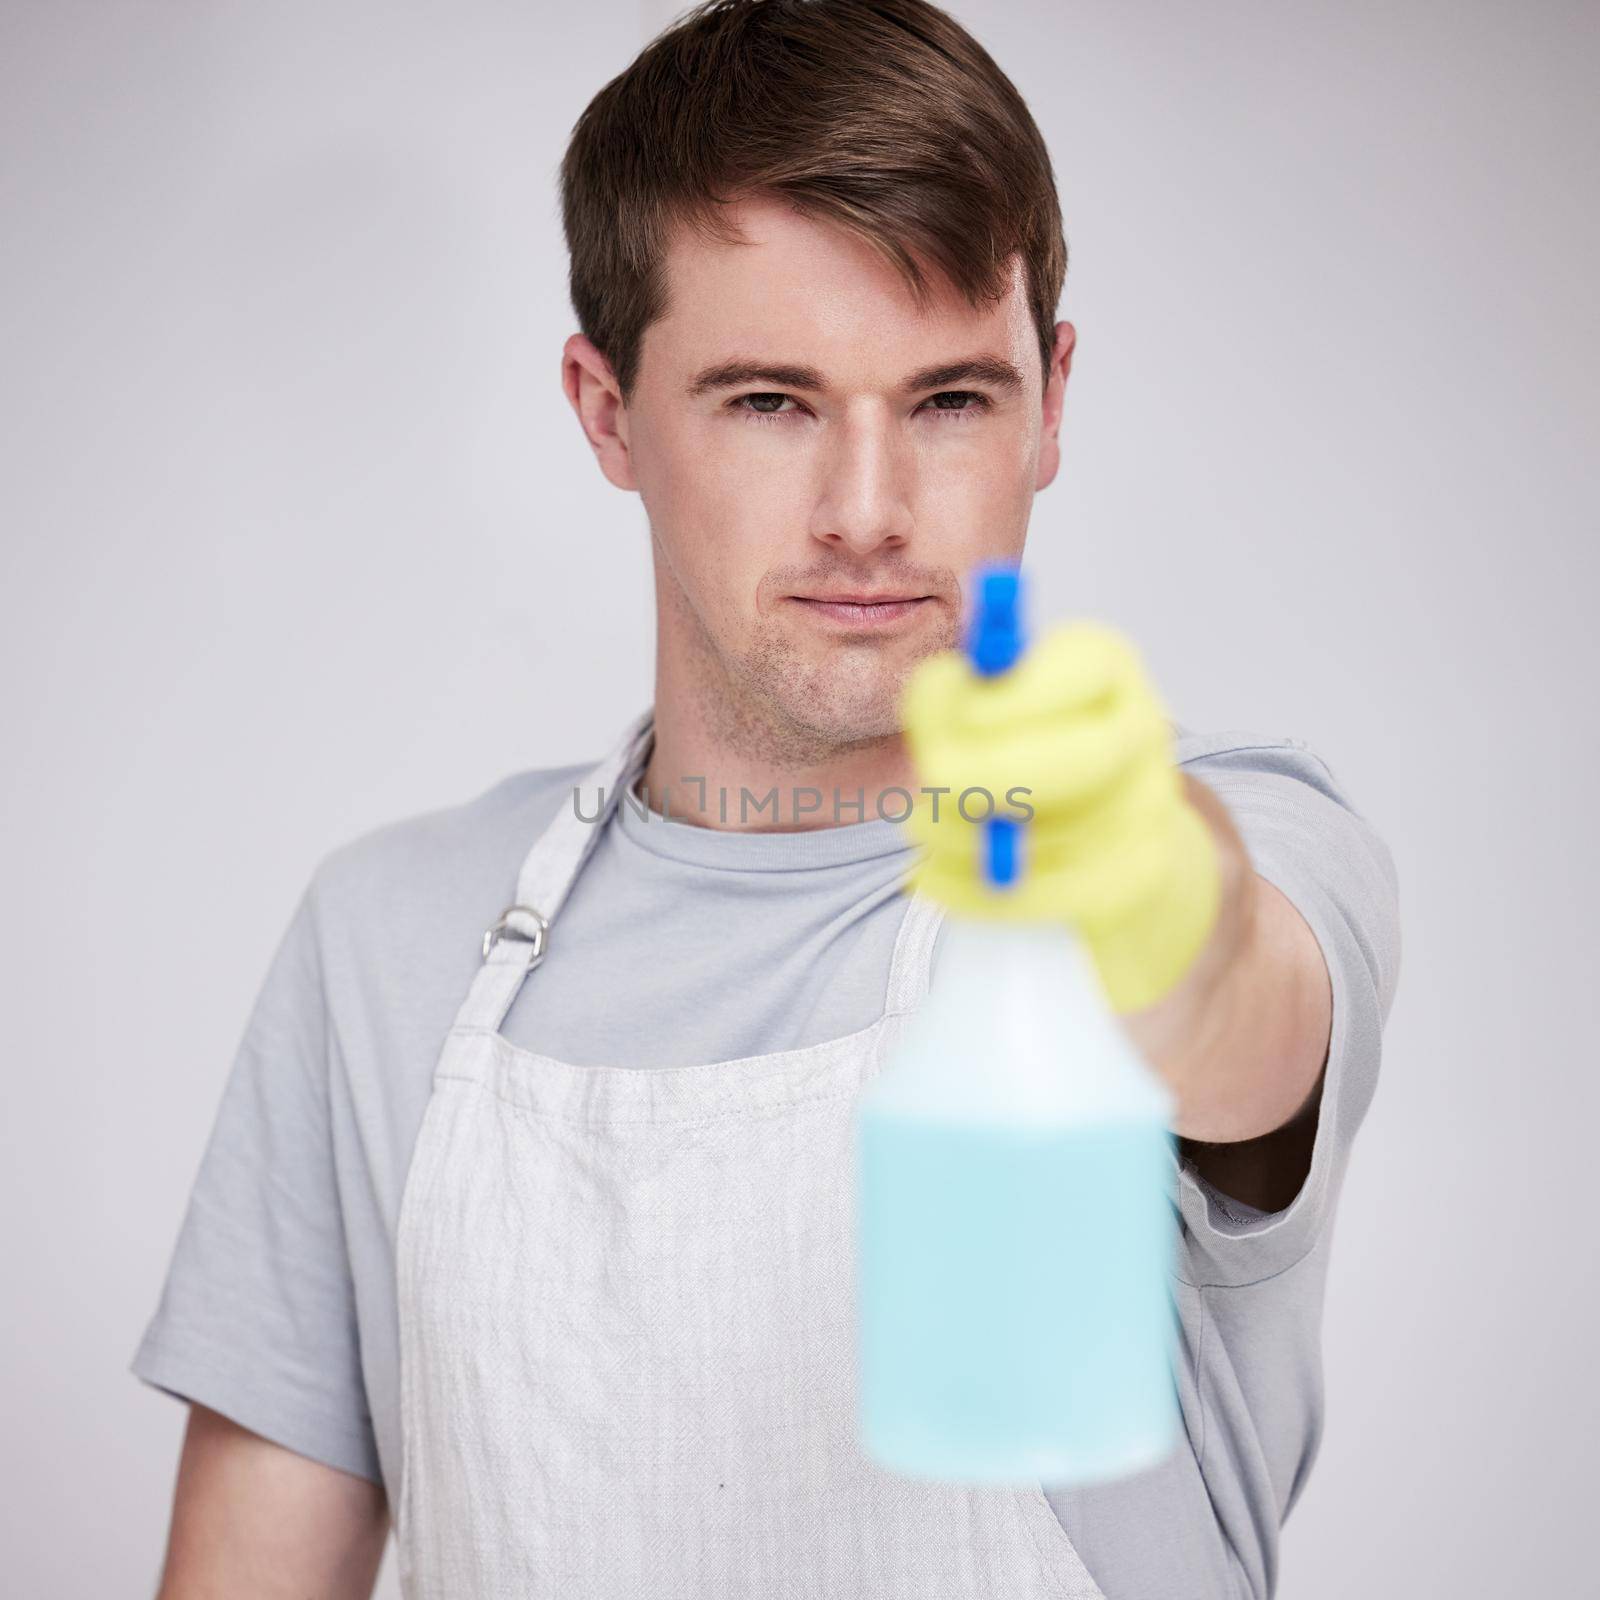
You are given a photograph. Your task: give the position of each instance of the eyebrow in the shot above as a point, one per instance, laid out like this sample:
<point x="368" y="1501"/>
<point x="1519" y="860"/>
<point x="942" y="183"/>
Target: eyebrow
<point x="992" y="370"/>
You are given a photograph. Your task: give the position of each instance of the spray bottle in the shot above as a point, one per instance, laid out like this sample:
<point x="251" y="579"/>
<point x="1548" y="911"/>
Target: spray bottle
<point x="1015" y="1229"/>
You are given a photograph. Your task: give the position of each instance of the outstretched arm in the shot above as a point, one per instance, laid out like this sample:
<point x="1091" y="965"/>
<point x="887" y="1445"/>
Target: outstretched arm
<point x="1243" y="1037"/>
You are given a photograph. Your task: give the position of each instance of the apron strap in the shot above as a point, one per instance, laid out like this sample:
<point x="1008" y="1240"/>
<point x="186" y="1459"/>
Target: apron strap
<point x="518" y="941"/>
<point x="553" y="864"/>
<point x="912" y="962"/>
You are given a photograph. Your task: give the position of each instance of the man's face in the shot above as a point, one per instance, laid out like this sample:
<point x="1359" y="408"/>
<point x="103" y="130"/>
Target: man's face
<point x="803" y="438"/>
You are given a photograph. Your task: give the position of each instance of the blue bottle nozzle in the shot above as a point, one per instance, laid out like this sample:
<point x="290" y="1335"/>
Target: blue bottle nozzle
<point x="995" y="639"/>
<point x="994" y="643"/>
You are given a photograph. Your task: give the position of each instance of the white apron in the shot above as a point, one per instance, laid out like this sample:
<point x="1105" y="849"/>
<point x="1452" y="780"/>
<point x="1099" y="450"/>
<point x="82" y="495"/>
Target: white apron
<point x="627" y="1321"/>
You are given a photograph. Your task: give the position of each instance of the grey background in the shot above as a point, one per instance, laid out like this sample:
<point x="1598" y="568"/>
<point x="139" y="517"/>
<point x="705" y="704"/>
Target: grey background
<point x="299" y="536"/>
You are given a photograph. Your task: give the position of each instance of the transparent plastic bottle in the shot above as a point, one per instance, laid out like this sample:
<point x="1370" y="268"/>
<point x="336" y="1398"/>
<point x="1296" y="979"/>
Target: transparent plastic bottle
<point x="1015" y="1223"/>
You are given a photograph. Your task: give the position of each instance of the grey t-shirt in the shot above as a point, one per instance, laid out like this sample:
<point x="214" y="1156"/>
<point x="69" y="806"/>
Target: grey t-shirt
<point x="681" y="944"/>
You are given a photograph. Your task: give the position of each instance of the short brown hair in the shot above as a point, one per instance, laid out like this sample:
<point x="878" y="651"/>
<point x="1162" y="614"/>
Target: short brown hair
<point x="885" y="117"/>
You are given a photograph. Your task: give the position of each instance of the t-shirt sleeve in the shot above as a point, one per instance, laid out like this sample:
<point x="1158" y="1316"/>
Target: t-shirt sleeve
<point x="257" y="1316"/>
<point x="1305" y="837"/>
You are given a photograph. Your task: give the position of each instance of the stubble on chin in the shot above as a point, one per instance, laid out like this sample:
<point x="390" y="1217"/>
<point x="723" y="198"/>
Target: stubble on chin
<point x="778" y="704"/>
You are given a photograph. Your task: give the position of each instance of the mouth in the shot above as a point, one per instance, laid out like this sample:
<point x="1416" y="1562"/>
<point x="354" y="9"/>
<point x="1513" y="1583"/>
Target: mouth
<point x="862" y="611"/>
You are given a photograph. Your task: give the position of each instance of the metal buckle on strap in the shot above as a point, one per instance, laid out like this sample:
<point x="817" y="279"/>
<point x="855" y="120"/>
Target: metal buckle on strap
<point x="503" y="930"/>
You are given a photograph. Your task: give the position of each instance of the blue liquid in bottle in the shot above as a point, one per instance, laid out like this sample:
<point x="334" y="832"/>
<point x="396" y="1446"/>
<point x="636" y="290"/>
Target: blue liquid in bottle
<point x="1016" y="1230"/>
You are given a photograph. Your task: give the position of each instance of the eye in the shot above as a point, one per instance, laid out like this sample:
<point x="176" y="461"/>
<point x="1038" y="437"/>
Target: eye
<point x="965" y="402"/>
<point x="759" y="408"/>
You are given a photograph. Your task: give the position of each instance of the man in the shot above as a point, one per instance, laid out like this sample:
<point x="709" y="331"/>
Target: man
<point x="518" y="1225"/>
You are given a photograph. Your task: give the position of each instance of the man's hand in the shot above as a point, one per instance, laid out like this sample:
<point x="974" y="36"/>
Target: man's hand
<point x="253" y="1521"/>
<point x="1115" y="845"/>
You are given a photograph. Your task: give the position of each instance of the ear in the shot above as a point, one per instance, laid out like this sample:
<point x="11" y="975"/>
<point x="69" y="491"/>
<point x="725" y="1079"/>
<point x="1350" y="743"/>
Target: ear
<point x="591" y="387"/>
<point x="1054" y="398"/>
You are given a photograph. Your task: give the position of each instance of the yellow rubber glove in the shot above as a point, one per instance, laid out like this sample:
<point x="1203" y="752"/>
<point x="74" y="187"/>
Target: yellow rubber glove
<point x="1114" y="847"/>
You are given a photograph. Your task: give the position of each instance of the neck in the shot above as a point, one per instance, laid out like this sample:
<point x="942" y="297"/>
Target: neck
<point x="720" y="764"/>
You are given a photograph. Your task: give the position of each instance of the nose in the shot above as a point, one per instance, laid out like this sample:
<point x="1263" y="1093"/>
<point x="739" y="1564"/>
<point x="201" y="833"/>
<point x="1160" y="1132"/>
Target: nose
<point x="863" y="501"/>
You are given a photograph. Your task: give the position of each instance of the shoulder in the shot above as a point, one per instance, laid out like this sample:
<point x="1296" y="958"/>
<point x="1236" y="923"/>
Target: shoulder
<point x="1306" y="834"/>
<point x="1240" y="751"/>
<point x="411" y="879"/>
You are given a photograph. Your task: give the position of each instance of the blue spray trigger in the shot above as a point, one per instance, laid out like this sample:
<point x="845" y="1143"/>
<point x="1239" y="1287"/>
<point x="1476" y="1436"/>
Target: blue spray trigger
<point x="994" y="642"/>
<point x="995" y="639"/>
